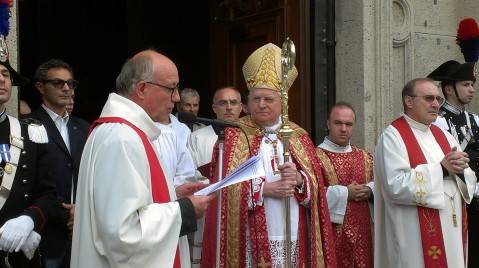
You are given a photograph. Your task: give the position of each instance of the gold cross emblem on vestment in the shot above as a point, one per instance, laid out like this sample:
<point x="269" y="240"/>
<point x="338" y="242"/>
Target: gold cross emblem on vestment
<point x="434" y="252"/>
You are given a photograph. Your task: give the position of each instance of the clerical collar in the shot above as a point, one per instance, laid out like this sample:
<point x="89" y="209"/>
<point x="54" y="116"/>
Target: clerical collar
<point x="335" y="148"/>
<point x="3" y="115"/>
<point x="452" y="108"/>
<point x="415" y="124"/>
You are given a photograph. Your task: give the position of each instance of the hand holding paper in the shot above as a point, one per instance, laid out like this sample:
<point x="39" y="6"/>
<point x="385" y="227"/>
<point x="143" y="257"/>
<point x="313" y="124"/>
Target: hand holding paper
<point x="250" y="169"/>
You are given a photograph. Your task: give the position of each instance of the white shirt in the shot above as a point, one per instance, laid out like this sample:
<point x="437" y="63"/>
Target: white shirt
<point x="61" y="124"/>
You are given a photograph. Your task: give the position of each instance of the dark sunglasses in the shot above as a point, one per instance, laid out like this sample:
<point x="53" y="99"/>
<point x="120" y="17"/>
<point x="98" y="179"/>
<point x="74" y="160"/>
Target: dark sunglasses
<point x="60" y="83"/>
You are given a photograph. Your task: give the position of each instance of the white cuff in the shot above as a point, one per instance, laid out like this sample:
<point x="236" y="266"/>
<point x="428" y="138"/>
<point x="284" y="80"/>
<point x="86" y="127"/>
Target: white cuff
<point x="337" y="198"/>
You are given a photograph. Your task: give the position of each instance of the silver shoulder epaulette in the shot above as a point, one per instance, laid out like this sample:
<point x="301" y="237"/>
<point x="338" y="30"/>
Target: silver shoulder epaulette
<point x="36" y="131"/>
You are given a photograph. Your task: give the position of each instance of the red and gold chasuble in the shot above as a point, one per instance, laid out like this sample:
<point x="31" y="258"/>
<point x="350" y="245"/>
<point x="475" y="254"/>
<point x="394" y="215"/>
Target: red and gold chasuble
<point x="432" y="239"/>
<point x="315" y="247"/>
<point x="354" y="245"/>
<point x="159" y="185"/>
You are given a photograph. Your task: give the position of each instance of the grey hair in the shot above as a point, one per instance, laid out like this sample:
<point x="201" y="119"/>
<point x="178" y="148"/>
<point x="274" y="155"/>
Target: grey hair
<point x="189" y="92"/>
<point x="139" y="68"/>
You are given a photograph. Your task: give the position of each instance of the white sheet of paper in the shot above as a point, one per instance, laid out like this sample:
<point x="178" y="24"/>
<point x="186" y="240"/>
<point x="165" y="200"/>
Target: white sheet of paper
<point x="250" y="169"/>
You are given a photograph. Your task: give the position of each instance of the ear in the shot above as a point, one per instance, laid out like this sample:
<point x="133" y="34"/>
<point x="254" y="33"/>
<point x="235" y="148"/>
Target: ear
<point x="213" y="107"/>
<point x="327" y="124"/>
<point x="140" y="90"/>
<point x="449" y="90"/>
<point x="39" y="87"/>
<point x="245" y="108"/>
<point x="408" y="101"/>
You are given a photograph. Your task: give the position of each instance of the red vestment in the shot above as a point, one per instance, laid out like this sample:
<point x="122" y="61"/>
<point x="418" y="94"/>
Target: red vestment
<point x="354" y="244"/>
<point x="315" y="247"/>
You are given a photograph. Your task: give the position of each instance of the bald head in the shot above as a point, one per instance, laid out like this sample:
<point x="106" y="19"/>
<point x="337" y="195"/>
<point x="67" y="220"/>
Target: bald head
<point x="142" y="67"/>
<point x="150" y="79"/>
<point x="227" y="104"/>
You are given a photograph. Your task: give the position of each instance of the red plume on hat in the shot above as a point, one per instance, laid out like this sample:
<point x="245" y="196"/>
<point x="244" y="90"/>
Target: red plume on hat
<point x="468" y="39"/>
<point x="5" y="16"/>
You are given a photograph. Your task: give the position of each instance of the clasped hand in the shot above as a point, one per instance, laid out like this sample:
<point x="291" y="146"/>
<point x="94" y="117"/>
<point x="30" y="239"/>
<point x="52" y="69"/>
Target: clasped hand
<point x="455" y="161"/>
<point x="358" y="192"/>
<point x="17" y="233"/>
<point x="285" y="186"/>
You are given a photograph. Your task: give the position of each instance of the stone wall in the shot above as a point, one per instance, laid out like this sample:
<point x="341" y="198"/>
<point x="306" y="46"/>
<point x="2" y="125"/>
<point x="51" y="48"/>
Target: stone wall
<point x="382" y="44"/>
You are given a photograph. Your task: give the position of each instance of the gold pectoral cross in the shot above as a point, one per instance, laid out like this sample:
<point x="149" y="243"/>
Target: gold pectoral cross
<point x="454" y="219"/>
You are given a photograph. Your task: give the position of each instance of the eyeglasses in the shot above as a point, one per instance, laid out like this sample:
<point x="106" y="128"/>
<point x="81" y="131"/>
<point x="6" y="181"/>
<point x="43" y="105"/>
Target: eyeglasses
<point x="171" y="89"/>
<point x="224" y="103"/>
<point x="60" y="83"/>
<point x="430" y="98"/>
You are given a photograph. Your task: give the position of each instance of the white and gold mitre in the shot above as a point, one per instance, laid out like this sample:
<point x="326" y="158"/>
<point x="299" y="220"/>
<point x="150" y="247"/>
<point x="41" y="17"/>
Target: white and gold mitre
<point x="262" y="69"/>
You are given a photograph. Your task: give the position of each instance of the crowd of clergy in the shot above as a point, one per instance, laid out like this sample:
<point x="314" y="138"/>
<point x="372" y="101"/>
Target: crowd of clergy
<point x="120" y="192"/>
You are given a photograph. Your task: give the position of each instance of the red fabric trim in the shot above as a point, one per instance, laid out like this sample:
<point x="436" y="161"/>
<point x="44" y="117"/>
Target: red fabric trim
<point x="326" y="230"/>
<point x="43" y="219"/>
<point x="259" y="229"/>
<point x="300" y="197"/>
<point x="432" y="239"/>
<point x="159" y="186"/>
<point x="354" y="243"/>
<point x="257" y="187"/>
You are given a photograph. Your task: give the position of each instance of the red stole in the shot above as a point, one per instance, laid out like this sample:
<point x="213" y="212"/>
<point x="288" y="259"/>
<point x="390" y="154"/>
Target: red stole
<point x="159" y="186"/>
<point x="433" y="248"/>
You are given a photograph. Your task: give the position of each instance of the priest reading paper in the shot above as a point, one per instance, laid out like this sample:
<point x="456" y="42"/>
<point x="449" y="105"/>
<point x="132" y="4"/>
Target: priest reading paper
<point x="126" y="213"/>
<point x="422" y="184"/>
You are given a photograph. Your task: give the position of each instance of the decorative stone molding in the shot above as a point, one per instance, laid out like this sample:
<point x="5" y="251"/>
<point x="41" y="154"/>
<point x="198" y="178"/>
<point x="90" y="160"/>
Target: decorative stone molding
<point x="401" y="22"/>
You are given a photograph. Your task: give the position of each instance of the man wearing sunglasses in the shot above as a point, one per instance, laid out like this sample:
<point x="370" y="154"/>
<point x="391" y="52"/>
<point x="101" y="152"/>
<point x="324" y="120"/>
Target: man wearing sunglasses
<point x="422" y="180"/>
<point x="457" y="84"/>
<point x="67" y="135"/>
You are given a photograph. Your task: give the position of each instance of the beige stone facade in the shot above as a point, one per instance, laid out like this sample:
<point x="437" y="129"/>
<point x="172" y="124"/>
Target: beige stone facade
<point x="381" y="44"/>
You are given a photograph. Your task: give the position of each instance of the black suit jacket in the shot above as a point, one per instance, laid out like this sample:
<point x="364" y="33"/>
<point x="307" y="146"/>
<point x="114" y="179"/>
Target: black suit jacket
<point x="65" y="165"/>
<point x="33" y="190"/>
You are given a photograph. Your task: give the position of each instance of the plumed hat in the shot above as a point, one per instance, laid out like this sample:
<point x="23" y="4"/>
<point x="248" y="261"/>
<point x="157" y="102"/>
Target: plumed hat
<point x="454" y="71"/>
<point x="17" y="79"/>
<point x="468" y="39"/>
<point x="262" y="69"/>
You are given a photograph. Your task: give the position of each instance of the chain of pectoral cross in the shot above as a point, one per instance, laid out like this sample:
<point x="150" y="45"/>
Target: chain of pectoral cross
<point x="275" y="160"/>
